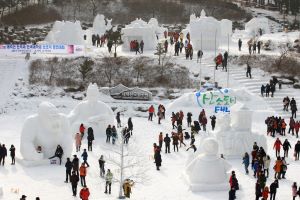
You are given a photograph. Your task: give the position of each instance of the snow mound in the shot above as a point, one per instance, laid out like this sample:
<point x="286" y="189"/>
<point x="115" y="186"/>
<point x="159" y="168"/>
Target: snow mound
<point x="66" y="32"/>
<point x="46" y="129"/>
<point x="208" y="172"/>
<point x="92" y="113"/>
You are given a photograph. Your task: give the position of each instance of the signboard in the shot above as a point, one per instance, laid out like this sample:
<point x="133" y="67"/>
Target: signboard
<point x="221" y="100"/>
<point x="41" y="49"/>
<point x="125" y="93"/>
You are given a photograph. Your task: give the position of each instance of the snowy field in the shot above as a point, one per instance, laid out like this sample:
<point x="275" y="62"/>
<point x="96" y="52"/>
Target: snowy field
<point x="47" y="181"/>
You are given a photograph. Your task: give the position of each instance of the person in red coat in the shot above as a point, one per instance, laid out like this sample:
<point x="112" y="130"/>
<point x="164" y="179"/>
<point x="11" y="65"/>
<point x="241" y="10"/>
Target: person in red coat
<point x="219" y="60"/>
<point x="81" y="130"/>
<point x="277" y="146"/>
<point x="151" y="112"/>
<point x="84" y="193"/>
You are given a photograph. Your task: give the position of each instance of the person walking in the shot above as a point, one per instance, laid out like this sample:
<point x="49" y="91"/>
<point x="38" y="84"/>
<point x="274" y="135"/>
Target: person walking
<point x="294" y="190"/>
<point x="277" y="147"/>
<point x="78" y="139"/>
<point x="108" y="134"/>
<point x="151" y="112"/>
<point x="277" y="168"/>
<point x="157" y="158"/>
<point x="90" y="138"/>
<point x="84" y="156"/>
<point x="84" y="193"/>
<point x="258" y="192"/>
<point x="265" y="193"/>
<point x="175" y="138"/>
<point x="246" y="162"/>
<point x="81" y="130"/>
<point x="297" y="150"/>
<point x="224" y="63"/>
<point x="68" y="167"/>
<point x="248" y="72"/>
<point x="108" y="181"/>
<point x="118" y="118"/>
<point x="273" y="189"/>
<point x="160" y="139"/>
<point x="262" y="90"/>
<point x="142" y="46"/>
<point x="102" y="166"/>
<point x="74" y="182"/>
<point x="3" y="154"/>
<point x="114" y="134"/>
<point x="189" y="119"/>
<point x="258" y="47"/>
<point x="82" y="171"/>
<point x="286" y="146"/>
<point x="75" y="163"/>
<point x="267" y="162"/>
<point x="167" y="141"/>
<point x="213" y="122"/>
<point x="234" y="185"/>
<point x="12" y="154"/>
<point x="130" y="125"/>
<point x="127" y="185"/>
<point x="240" y="44"/>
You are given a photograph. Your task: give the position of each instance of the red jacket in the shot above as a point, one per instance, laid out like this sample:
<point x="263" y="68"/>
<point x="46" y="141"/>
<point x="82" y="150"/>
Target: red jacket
<point x="84" y="194"/>
<point x="81" y="129"/>
<point x="151" y="109"/>
<point x="277" y="145"/>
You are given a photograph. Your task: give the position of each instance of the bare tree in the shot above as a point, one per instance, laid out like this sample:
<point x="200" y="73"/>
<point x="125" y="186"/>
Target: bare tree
<point x="283" y="54"/>
<point x="139" y="66"/>
<point x="130" y="163"/>
<point x="94" y="7"/>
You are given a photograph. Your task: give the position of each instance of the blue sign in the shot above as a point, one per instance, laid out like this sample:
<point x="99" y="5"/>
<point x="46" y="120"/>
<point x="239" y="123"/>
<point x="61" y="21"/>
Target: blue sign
<point x="224" y="109"/>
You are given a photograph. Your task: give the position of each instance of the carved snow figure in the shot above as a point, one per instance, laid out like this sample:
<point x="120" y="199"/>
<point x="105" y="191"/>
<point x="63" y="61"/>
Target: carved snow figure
<point x="208" y="172"/>
<point x="42" y="133"/>
<point x="234" y="134"/>
<point x="92" y="113"/>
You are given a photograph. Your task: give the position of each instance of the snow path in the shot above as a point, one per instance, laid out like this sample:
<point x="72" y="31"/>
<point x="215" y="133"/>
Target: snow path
<point x="10" y="70"/>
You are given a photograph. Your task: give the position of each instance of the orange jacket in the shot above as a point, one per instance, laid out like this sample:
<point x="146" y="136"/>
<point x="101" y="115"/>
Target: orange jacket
<point x="277" y="166"/>
<point x="265" y="193"/>
<point x="82" y="170"/>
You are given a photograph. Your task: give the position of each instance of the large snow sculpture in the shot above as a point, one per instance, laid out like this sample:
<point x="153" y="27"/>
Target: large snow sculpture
<point x="234" y="134"/>
<point x="139" y="30"/>
<point x="66" y="33"/>
<point x="92" y="113"/>
<point x="257" y="23"/>
<point x="207" y="32"/>
<point x="99" y="26"/>
<point x="208" y="172"/>
<point x="45" y="130"/>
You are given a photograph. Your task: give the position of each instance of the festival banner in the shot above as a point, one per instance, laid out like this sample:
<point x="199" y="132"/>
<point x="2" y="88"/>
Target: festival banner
<point x="10" y="49"/>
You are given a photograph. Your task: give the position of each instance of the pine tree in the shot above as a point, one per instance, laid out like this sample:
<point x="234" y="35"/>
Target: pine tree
<point x="86" y="68"/>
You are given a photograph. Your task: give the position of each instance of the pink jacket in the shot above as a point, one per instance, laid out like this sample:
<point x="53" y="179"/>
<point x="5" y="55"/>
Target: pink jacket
<point x="294" y="191"/>
<point x="78" y="139"/>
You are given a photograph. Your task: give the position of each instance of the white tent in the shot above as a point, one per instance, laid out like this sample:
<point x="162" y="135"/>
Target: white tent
<point x="139" y="30"/>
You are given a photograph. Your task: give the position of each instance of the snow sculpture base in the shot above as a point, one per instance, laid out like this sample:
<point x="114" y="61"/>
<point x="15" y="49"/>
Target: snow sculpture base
<point x="234" y="133"/>
<point x="208" y="172"/>
<point x="33" y="163"/>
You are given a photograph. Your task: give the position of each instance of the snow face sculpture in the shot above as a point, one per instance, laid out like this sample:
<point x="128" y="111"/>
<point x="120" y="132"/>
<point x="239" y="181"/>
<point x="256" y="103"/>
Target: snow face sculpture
<point x="46" y="130"/>
<point x="208" y="171"/>
<point x="237" y="138"/>
<point x="92" y="113"/>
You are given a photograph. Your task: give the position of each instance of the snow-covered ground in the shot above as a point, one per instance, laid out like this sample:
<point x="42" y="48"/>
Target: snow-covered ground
<point x="47" y="181"/>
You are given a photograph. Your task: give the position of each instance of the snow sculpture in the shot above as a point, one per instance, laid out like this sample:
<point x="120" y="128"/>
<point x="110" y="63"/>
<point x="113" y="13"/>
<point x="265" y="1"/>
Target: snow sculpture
<point x="108" y="25"/>
<point x="46" y="130"/>
<point x="208" y="172"/>
<point x="203" y="13"/>
<point x="193" y="17"/>
<point x="99" y="26"/>
<point x="257" y="23"/>
<point x="66" y="33"/>
<point x="92" y="113"/>
<point x="237" y="138"/>
<point x="139" y="30"/>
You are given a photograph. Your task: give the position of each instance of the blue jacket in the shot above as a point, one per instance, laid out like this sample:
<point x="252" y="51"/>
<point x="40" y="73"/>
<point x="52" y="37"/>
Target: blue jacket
<point x="84" y="155"/>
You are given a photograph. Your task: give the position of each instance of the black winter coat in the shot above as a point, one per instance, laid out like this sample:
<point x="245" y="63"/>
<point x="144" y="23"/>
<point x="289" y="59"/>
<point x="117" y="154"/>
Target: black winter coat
<point x="157" y="158"/>
<point x="273" y="187"/>
<point x="74" y="179"/>
<point x="69" y="166"/>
